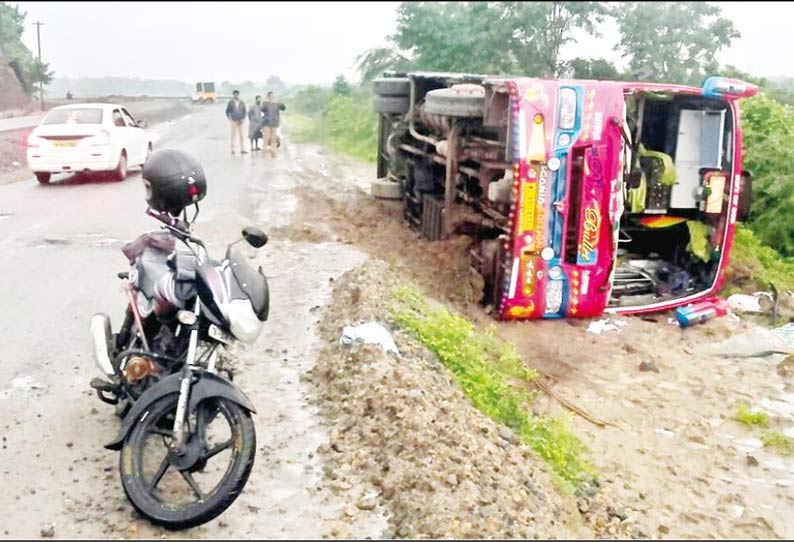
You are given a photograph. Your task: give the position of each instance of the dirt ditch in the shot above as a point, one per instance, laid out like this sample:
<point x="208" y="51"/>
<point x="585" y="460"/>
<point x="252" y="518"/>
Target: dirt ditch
<point x="672" y="453"/>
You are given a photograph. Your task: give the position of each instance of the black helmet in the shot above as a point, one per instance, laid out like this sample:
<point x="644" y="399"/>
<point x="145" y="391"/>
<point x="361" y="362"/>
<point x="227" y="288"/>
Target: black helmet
<point x="173" y="180"/>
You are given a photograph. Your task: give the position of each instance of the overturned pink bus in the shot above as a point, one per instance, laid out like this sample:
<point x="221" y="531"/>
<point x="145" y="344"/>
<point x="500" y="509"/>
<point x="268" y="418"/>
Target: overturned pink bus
<point x="579" y="196"/>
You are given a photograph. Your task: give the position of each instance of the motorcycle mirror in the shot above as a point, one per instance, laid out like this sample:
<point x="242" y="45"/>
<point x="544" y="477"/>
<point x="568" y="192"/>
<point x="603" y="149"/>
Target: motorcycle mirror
<point x="255" y="237"/>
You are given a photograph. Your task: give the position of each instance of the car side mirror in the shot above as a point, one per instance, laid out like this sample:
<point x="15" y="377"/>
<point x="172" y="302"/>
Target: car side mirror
<point x="141" y="123"/>
<point x="254" y="237"/>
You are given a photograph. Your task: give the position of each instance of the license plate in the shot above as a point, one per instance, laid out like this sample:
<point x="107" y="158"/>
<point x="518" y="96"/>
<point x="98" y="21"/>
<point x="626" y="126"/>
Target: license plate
<point x="219" y="335"/>
<point x="65" y="143"/>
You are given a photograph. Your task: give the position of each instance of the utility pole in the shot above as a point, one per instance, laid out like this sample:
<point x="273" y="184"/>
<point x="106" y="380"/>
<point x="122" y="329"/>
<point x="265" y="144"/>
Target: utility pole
<point x="41" y="85"/>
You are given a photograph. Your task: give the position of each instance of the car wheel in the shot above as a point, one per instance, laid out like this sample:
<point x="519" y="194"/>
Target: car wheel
<point x="120" y="173"/>
<point x="43" y="177"/>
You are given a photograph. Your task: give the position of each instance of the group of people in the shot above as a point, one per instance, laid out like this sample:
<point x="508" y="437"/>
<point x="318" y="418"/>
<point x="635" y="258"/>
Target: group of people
<point x="264" y="119"/>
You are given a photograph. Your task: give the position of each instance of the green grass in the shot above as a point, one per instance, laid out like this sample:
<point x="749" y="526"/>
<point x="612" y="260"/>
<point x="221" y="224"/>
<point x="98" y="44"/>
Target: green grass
<point x="756" y="266"/>
<point x="746" y="416"/>
<point x="495" y="379"/>
<point x="346" y="124"/>
<point x="778" y="441"/>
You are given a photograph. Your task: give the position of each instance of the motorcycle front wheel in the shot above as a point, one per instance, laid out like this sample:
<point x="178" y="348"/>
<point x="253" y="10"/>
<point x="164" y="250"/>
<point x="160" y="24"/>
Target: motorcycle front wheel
<point x="181" y="490"/>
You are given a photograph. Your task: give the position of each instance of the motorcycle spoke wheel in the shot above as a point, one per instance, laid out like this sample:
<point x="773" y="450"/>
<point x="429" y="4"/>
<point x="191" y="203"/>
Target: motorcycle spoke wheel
<point x="189" y="488"/>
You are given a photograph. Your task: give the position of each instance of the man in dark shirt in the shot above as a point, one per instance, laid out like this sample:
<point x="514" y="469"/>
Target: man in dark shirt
<point x="236" y="112"/>
<point x="270" y="123"/>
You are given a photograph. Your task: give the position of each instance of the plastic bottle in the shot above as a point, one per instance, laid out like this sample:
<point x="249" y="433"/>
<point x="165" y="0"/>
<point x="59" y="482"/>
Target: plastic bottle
<point x="697" y="313"/>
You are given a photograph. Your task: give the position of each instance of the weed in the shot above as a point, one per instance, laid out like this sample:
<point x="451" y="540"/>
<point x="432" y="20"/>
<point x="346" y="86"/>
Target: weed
<point x="777" y="440"/>
<point x="746" y="416"/>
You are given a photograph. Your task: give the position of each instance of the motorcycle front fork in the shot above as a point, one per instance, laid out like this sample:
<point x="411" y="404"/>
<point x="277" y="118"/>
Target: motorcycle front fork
<point x="180" y="435"/>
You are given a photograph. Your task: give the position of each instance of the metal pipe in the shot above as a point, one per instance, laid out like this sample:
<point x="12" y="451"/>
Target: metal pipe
<point x="412" y="115"/>
<point x="450" y="188"/>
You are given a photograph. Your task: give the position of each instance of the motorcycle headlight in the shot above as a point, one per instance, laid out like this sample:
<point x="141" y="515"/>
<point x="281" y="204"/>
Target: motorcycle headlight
<point x="243" y="322"/>
<point x="553" y="296"/>
<point x="567" y="108"/>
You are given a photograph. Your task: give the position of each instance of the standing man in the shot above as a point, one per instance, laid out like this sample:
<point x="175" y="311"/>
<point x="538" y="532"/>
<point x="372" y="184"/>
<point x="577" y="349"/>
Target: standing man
<point x="255" y="123"/>
<point x="235" y="112"/>
<point x="271" y="121"/>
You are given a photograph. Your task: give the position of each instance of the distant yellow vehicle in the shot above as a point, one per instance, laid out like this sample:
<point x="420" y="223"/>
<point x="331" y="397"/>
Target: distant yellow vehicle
<point x="205" y="93"/>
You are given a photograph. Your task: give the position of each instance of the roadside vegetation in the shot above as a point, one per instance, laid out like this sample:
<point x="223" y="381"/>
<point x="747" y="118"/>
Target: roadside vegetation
<point x="340" y="117"/>
<point x="755" y="266"/>
<point x="495" y="379"/>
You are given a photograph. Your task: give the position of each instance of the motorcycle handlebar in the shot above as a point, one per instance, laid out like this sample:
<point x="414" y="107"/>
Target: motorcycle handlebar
<point x="179" y="227"/>
<point x="169" y="220"/>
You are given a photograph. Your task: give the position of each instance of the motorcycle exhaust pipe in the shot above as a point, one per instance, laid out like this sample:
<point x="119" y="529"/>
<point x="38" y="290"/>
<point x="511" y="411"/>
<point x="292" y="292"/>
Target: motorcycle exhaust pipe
<point x="101" y="336"/>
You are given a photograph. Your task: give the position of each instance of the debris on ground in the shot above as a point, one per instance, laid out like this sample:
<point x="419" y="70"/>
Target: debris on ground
<point x="648" y="366"/>
<point x="785" y="333"/>
<point x="744" y="303"/>
<point x="703" y="311"/>
<point x="607" y="324"/>
<point x="369" y="333"/>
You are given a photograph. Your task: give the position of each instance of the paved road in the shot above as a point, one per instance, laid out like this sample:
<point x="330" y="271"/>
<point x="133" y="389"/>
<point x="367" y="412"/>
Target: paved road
<point x="20" y="123"/>
<point x="60" y="245"/>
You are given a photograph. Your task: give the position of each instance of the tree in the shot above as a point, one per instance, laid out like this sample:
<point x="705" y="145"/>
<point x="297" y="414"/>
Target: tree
<point x="12" y="24"/>
<point x="674" y="42"/>
<point x="590" y="68"/>
<point x="373" y="62"/>
<point x="538" y="30"/>
<point x="499" y="38"/>
<point x="768" y="137"/>
<point x="341" y="86"/>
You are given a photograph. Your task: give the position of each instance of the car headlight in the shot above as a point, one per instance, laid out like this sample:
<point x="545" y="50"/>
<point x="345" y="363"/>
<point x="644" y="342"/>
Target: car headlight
<point x="567" y="108"/>
<point x="553" y="296"/>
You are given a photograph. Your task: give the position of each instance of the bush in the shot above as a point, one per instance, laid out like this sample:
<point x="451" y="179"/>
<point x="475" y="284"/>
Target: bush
<point x="768" y="140"/>
<point x="344" y="122"/>
<point x="756" y="266"/>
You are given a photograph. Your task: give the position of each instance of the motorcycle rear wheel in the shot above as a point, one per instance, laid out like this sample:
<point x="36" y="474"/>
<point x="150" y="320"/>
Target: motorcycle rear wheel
<point x="149" y="493"/>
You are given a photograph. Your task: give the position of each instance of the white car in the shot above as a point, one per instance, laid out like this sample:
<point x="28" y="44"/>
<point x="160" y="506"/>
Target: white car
<point x="87" y="137"/>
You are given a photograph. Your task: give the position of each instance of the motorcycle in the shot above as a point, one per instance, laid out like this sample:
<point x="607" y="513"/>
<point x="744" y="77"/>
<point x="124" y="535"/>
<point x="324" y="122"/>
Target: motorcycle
<point x="187" y="438"/>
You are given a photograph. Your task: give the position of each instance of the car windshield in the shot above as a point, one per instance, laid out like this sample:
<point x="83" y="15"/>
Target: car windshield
<point x="74" y="116"/>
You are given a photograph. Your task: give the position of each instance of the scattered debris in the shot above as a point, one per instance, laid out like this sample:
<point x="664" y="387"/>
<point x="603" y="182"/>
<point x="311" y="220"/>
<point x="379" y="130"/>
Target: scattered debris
<point x="607" y="324"/>
<point x="744" y="303"/>
<point x="786" y="333"/>
<point x="697" y="313"/>
<point x="370" y="333"/>
<point x="648" y="366"/>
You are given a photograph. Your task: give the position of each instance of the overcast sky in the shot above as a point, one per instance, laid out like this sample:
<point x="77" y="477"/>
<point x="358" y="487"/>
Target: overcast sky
<point x="308" y="42"/>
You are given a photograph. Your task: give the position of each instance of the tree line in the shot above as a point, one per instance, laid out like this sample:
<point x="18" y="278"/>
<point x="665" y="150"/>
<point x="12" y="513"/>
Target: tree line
<point x="674" y="42"/>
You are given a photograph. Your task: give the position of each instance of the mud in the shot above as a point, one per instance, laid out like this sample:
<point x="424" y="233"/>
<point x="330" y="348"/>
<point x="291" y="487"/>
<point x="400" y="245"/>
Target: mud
<point x="674" y="457"/>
